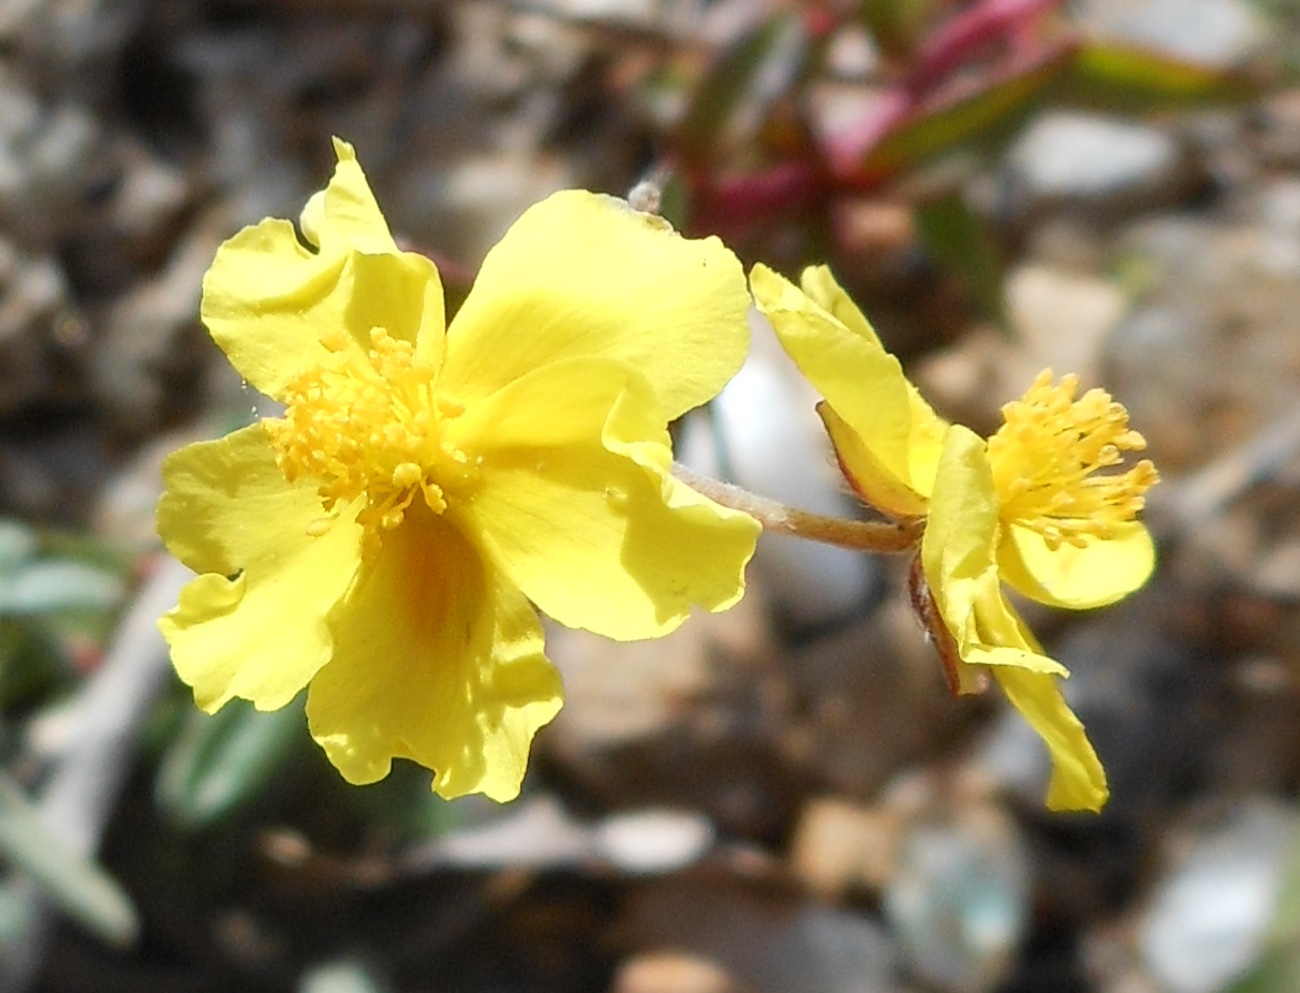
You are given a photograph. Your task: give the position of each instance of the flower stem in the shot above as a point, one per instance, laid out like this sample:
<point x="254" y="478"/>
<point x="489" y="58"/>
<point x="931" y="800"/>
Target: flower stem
<point x="776" y="517"/>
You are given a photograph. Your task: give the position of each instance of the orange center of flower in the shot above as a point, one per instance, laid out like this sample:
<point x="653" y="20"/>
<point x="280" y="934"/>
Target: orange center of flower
<point x="370" y="425"/>
<point x="1047" y="456"/>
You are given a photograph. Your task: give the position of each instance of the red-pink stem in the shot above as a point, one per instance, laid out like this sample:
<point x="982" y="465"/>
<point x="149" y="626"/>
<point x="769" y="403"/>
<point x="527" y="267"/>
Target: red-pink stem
<point x="732" y="205"/>
<point x="959" y="38"/>
<point x="952" y="44"/>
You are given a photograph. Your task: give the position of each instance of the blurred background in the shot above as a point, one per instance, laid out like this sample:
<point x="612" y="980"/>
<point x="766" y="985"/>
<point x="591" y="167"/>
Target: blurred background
<point x="779" y="799"/>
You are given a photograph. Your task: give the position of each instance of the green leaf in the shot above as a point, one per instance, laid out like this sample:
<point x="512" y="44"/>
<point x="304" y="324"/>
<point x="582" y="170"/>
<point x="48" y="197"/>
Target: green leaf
<point x="33" y="662"/>
<point x="989" y="114"/>
<point x="957" y="238"/>
<point x="76" y="885"/>
<point x="219" y="763"/>
<point x="404" y="806"/>
<point x="1126" y="79"/>
<point x="1276" y="972"/>
<point x="736" y="92"/>
<point x="51" y="585"/>
<point x="896" y="26"/>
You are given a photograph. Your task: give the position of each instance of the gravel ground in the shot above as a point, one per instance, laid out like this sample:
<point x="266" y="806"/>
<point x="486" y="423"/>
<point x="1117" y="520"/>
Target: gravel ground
<point x="783" y="797"/>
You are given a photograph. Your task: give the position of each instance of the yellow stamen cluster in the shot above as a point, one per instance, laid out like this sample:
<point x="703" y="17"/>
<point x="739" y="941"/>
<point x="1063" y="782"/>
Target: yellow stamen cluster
<point x="1046" y="459"/>
<point x="369" y="424"/>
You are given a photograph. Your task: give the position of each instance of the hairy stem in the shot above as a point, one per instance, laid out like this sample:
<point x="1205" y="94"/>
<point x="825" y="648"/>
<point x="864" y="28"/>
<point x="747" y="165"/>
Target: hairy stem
<point x="863" y="536"/>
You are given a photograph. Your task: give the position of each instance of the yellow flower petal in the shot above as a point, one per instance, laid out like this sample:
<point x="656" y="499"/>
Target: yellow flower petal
<point x="818" y="282"/>
<point x="582" y="275"/>
<point x="268" y="300"/>
<point x="576" y="504"/>
<point x="344" y="216"/>
<point x="436" y="660"/>
<point x="925" y="427"/>
<point x="252" y="625"/>
<point x="958" y="556"/>
<point x="1099" y="573"/>
<point x="875" y="482"/>
<point x="1078" y="780"/>
<point x="835" y="348"/>
<point x="957" y="548"/>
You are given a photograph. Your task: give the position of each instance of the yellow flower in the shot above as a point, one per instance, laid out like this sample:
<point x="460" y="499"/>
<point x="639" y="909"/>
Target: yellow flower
<point x="1028" y="507"/>
<point x="386" y="540"/>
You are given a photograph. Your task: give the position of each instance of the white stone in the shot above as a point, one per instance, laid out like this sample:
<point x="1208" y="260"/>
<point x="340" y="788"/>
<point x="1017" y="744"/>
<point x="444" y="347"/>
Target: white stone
<point x="1069" y="155"/>
<point x="773" y="443"/>
<point x="1211" y="913"/>
<point x="1210" y="32"/>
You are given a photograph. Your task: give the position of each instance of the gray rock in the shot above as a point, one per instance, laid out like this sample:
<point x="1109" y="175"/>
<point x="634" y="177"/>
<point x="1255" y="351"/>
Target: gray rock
<point x="1209" y="356"/>
<point x="542" y="834"/>
<point x="872" y="699"/>
<point x="32" y="294"/>
<point x="50" y="157"/>
<point x="1072" y="159"/>
<point x="959" y="902"/>
<point x="52" y="471"/>
<point x="1209" y="914"/>
<point x="691" y="720"/>
<point x="63" y="36"/>
<point x="139" y="344"/>
<point x="768" y="941"/>
<point x="1211" y="32"/>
